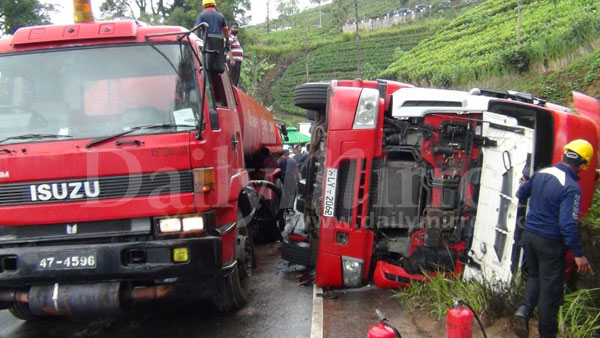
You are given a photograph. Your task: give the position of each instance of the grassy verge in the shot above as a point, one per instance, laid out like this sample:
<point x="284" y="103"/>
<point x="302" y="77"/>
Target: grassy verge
<point x="580" y="314"/>
<point x="579" y="317"/>
<point x="490" y="300"/>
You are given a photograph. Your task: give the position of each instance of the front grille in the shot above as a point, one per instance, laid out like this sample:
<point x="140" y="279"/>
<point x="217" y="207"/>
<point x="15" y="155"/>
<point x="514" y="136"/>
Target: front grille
<point x="75" y="231"/>
<point x="345" y="191"/>
<point x="74" y="190"/>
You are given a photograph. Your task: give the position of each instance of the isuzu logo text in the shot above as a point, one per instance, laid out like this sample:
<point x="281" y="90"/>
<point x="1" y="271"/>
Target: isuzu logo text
<point x="64" y="191"/>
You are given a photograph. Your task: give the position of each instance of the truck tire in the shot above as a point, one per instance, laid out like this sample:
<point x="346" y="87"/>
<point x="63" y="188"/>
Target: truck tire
<point x="311" y="96"/>
<point x="245" y="242"/>
<point x="227" y="292"/>
<point x="22" y="312"/>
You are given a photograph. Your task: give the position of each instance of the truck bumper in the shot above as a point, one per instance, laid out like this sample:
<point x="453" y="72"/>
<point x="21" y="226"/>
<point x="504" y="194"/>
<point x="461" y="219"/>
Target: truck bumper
<point x="130" y="261"/>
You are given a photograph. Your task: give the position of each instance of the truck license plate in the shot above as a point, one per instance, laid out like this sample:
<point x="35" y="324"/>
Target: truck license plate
<point x="330" y="190"/>
<point x="68" y="260"/>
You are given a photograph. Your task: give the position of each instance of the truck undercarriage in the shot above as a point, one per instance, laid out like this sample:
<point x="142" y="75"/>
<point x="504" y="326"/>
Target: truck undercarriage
<point x="431" y="189"/>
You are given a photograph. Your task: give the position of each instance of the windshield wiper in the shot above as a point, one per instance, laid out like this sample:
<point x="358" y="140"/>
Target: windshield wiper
<point x="33" y="136"/>
<point x="123" y="133"/>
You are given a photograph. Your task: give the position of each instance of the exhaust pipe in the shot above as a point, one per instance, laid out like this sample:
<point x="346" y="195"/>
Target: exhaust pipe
<point x="9" y="296"/>
<point x="86" y="299"/>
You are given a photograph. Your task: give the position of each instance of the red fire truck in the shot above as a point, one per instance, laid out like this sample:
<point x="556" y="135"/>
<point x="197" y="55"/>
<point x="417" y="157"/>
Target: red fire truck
<point x="403" y="180"/>
<point x="127" y="171"/>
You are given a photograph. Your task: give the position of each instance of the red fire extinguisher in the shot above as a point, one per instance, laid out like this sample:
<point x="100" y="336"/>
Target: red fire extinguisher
<point x="459" y="321"/>
<point x="384" y="329"/>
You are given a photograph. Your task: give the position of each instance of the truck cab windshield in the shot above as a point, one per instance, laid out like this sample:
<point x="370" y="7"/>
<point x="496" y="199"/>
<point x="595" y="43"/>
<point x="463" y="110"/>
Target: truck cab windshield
<point x="98" y="91"/>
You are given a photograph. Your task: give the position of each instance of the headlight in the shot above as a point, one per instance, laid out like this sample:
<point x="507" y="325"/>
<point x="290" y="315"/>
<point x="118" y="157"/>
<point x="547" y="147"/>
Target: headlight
<point x="193" y="224"/>
<point x="352" y="271"/>
<point x="170" y="225"/>
<point x="367" y="110"/>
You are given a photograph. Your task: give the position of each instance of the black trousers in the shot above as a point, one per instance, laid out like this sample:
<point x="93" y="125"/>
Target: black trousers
<point x="235" y="72"/>
<point x="545" y="280"/>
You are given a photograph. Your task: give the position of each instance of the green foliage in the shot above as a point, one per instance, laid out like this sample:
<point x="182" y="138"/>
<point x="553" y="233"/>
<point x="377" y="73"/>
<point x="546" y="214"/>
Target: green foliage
<point x="340" y="13"/>
<point x="580" y="315"/>
<point x="116" y="9"/>
<point x="234" y="10"/>
<point x="178" y="12"/>
<point x="593" y="216"/>
<point x="441" y="293"/>
<point x="582" y="75"/>
<point x="483" y="42"/>
<point x="338" y="60"/>
<point x="253" y="70"/>
<point x="20" y="13"/>
<point x="287" y="9"/>
<point x="180" y="17"/>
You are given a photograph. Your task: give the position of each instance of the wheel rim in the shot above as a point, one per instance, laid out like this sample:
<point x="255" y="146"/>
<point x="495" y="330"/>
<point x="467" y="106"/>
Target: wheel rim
<point x="248" y="257"/>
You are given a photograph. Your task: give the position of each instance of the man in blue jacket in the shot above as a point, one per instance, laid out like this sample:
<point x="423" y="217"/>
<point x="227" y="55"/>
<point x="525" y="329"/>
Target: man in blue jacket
<point x="216" y="36"/>
<point x="217" y="24"/>
<point x="551" y="229"/>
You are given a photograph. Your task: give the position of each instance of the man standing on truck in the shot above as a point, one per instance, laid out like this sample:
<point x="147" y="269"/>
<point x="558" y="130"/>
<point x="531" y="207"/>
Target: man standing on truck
<point x="551" y="228"/>
<point x="236" y="55"/>
<point x="216" y="36"/>
<point x="217" y="24"/>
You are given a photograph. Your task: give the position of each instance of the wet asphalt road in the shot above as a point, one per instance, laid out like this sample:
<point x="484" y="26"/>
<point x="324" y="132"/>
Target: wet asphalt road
<point x="277" y="307"/>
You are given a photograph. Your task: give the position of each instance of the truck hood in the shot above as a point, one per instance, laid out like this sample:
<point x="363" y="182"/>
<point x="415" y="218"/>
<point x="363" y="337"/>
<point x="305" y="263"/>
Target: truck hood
<point x="63" y="181"/>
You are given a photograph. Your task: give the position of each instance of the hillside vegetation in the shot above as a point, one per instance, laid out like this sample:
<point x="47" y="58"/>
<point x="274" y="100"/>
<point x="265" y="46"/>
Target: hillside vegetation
<point x="475" y="43"/>
<point x="329" y="52"/>
<point x="483" y="42"/>
<point x="338" y="61"/>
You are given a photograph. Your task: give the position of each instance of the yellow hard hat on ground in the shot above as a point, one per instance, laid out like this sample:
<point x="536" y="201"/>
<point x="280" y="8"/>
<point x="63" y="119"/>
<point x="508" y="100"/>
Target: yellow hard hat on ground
<point x="582" y="148"/>
<point x="206" y="3"/>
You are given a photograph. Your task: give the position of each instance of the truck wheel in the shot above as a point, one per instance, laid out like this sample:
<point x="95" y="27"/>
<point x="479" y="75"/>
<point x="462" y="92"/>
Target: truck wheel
<point x="311" y="96"/>
<point x="227" y="292"/>
<point x="245" y="249"/>
<point x="22" y="312"/>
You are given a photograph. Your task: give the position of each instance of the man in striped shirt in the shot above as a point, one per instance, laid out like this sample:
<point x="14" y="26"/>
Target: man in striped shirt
<point x="236" y="56"/>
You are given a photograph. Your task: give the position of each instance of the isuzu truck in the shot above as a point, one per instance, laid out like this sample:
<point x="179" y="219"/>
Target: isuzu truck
<point x="128" y="169"/>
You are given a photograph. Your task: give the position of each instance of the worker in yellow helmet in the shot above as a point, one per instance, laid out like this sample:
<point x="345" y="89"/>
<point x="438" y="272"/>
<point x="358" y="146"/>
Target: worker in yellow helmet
<point x="550" y="229"/>
<point x="217" y="24"/>
<point x="215" y="37"/>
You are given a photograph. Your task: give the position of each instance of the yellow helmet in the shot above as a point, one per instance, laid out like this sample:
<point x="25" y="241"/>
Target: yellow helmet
<point x="206" y="3"/>
<point x="582" y="148"/>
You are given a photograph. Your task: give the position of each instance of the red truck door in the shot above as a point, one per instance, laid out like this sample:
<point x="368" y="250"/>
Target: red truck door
<point x="229" y="150"/>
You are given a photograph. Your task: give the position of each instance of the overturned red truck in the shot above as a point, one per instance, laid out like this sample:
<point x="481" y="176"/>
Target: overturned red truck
<point x="127" y="169"/>
<point x="403" y="180"/>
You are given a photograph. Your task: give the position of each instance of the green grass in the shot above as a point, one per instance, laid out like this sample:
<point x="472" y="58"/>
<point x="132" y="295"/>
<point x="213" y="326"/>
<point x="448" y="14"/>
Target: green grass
<point x="483" y="43"/>
<point x="440" y="293"/>
<point x="592" y="218"/>
<point x="580" y="316"/>
<point x="338" y="60"/>
<point x="582" y="74"/>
